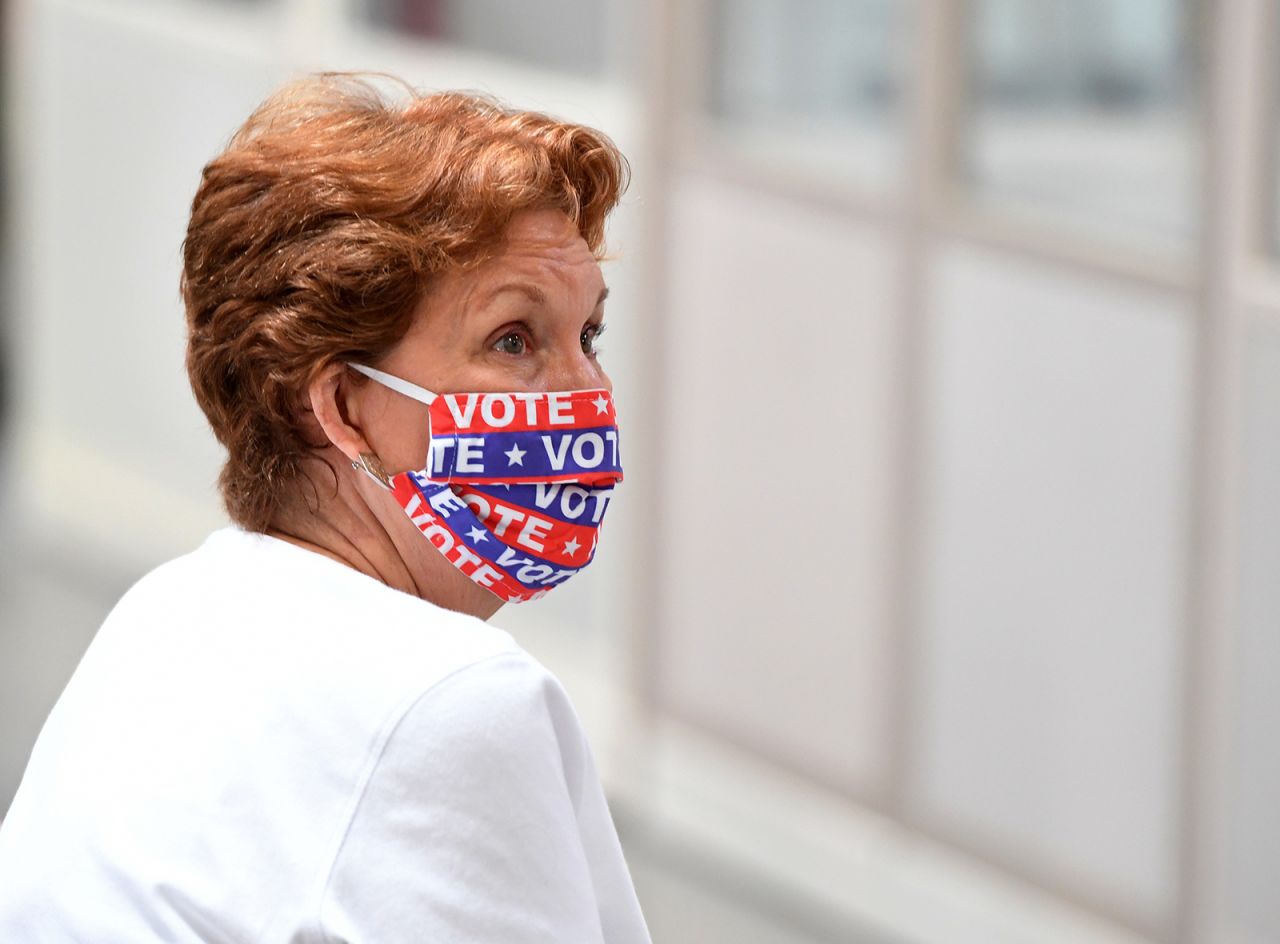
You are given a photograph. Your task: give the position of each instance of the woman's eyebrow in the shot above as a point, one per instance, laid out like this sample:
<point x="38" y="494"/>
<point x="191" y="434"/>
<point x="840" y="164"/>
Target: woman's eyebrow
<point x="535" y="294"/>
<point x="528" y="289"/>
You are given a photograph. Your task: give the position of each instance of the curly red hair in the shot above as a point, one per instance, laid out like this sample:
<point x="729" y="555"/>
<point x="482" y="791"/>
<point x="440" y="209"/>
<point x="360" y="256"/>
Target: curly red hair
<point x="315" y="233"/>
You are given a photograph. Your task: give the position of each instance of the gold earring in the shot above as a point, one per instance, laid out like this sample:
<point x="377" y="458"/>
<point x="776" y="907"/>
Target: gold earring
<point x="371" y="466"/>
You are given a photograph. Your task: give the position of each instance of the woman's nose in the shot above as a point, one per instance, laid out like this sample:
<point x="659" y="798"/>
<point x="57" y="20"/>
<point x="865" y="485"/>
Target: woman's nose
<point x="579" y="372"/>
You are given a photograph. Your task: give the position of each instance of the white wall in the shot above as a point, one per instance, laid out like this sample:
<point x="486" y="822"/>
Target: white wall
<point x="116" y="123"/>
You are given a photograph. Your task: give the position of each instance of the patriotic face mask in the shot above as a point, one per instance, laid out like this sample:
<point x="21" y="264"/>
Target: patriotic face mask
<point x="516" y="484"/>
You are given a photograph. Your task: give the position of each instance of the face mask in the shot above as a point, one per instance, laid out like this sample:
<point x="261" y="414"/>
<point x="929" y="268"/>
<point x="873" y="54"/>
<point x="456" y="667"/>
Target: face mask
<point x="515" y="485"/>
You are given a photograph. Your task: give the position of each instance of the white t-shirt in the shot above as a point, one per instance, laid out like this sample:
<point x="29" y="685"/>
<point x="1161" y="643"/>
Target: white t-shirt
<point x="263" y="745"/>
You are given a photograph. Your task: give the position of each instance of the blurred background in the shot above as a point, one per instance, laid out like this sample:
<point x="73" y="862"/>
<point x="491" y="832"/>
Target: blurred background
<point x="942" y="602"/>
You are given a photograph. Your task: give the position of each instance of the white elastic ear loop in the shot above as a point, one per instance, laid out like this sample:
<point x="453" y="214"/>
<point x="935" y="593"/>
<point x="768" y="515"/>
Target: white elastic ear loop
<point x="413" y="391"/>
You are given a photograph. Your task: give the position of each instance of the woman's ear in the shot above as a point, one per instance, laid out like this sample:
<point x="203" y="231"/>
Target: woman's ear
<point x="335" y="405"/>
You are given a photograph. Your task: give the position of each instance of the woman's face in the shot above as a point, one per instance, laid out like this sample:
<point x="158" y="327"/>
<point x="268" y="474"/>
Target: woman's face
<point x="524" y="320"/>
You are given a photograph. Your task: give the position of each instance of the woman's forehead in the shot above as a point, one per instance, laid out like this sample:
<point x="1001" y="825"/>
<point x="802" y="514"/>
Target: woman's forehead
<point x="540" y="245"/>
<point x="540" y="234"/>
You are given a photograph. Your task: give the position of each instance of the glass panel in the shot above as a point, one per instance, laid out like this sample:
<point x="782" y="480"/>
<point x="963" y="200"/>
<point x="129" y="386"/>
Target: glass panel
<point x="564" y="35"/>
<point x="1051" y="579"/>
<point x="1082" y="112"/>
<point x="809" y="83"/>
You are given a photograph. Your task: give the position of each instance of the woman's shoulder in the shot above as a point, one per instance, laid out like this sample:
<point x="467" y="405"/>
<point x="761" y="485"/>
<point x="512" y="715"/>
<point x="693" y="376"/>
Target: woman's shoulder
<point x="484" y="811"/>
<point x="496" y="731"/>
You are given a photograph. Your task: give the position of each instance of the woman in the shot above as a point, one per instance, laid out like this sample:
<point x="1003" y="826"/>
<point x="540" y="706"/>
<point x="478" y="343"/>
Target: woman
<point x="304" y="730"/>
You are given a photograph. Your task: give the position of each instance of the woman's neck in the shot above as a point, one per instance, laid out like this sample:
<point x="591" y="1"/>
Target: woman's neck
<point x="362" y="527"/>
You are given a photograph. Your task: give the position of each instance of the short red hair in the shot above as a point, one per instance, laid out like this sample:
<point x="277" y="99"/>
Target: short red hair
<point x="315" y="233"/>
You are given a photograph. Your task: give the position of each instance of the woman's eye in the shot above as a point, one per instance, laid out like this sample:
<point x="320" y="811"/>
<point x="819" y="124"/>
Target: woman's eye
<point x="510" y="343"/>
<point x="590" y="336"/>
